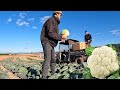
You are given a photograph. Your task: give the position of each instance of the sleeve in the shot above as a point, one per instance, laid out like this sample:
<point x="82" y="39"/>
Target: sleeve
<point x="51" y="31"/>
<point x="90" y="37"/>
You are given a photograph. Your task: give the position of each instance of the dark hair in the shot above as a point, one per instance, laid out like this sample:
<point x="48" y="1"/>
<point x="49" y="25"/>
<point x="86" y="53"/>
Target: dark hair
<point x="54" y="14"/>
<point x="85" y="31"/>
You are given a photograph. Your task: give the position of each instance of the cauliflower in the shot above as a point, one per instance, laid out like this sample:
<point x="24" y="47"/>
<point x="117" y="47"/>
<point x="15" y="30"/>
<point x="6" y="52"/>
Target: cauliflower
<point x="102" y="62"/>
<point x="65" y="31"/>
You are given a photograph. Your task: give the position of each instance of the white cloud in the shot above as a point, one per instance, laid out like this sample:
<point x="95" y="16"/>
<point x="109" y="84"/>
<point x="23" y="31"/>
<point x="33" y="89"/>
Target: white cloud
<point x="98" y="33"/>
<point x="43" y="19"/>
<point x="34" y="27"/>
<point x="28" y="42"/>
<point x="9" y="20"/>
<point x="115" y="32"/>
<point x="22" y="23"/>
<point x="18" y="21"/>
<point x="22" y="15"/>
<point x="31" y="19"/>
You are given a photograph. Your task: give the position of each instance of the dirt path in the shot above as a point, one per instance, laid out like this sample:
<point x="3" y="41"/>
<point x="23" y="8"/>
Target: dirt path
<point x="35" y="58"/>
<point x="4" y="57"/>
<point x="14" y="60"/>
<point x="10" y="74"/>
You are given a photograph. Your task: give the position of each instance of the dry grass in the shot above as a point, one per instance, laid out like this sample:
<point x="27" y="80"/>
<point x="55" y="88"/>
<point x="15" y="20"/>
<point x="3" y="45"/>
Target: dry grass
<point x="35" y="58"/>
<point x="29" y="56"/>
<point x="4" y="57"/>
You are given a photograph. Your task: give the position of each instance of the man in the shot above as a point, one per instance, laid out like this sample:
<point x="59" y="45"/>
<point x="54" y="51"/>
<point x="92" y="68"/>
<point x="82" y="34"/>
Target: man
<point x="49" y="40"/>
<point x="87" y="38"/>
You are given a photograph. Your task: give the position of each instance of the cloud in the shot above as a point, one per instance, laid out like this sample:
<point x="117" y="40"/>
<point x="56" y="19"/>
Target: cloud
<point x="31" y="19"/>
<point x="115" y="32"/>
<point x="18" y="21"/>
<point x="98" y="33"/>
<point x="22" y="15"/>
<point x="22" y="23"/>
<point x="43" y="19"/>
<point x="34" y="27"/>
<point x="28" y="41"/>
<point x="9" y="20"/>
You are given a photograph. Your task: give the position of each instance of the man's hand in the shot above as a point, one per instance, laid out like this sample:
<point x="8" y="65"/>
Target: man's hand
<point x="62" y="40"/>
<point x="64" y="36"/>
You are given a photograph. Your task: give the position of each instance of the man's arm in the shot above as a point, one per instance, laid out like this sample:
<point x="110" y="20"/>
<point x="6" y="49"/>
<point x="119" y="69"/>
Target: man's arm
<point x="90" y="37"/>
<point x="51" y="32"/>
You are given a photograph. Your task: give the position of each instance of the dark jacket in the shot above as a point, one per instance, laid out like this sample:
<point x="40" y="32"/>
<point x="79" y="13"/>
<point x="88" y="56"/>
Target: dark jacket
<point x="50" y="32"/>
<point x="87" y="37"/>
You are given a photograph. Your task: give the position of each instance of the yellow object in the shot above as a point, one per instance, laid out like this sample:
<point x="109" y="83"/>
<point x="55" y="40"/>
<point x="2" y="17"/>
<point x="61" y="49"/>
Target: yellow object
<point x="65" y="32"/>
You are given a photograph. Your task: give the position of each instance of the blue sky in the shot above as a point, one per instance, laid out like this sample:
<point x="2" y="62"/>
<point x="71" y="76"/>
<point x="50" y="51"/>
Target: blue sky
<point x="20" y="30"/>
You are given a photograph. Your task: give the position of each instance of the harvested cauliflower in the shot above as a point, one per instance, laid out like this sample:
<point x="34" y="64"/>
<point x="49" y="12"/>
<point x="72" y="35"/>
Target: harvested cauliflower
<point x="65" y="31"/>
<point x="102" y="62"/>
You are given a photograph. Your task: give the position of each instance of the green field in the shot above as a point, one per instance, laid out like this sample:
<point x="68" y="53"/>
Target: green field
<point x="3" y="54"/>
<point x="31" y="69"/>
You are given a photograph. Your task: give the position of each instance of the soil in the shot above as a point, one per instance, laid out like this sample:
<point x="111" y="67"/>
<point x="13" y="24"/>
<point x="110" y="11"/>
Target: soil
<point x="31" y="56"/>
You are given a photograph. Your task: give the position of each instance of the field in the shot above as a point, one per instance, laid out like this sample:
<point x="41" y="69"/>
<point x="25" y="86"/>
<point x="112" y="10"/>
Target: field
<point x="18" y="60"/>
<point x="31" y="56"/>
<point x="29" y="66"/>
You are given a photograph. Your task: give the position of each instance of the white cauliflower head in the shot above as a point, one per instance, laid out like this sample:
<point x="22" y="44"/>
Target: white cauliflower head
<point x="102" y="62"/>
<point x="65" y="31"/>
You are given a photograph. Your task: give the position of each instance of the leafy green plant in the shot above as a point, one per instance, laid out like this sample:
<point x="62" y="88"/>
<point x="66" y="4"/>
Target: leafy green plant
<point x="110" y="45"/>
<point x="87" y="74"/>
<point x="89" y="50"/>
<point x="114" y="75"/>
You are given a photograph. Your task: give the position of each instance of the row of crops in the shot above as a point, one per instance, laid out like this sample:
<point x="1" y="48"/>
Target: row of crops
<point x="26" y="68"/>
<point x="3" y="74"/>
<point x="31" y="69"/>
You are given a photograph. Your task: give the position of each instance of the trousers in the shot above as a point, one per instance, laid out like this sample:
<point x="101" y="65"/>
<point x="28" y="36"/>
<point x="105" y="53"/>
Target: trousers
<point x="49" y="59"/>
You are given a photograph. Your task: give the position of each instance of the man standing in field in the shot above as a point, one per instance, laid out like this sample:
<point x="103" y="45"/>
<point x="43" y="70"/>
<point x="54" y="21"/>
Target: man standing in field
<point x="49" y="40"/>
<point x="87" y="38"/>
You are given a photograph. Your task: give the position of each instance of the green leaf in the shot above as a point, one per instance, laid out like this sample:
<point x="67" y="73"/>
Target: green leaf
<point x="87" y="74"/>
<point x="66" y="76"/>
<point x="114" y="75"/>
<point x="118" y="60"/>
<point x="109" y="45"/>
<point x="64" y="68"/>
<point x="55" y="76"/>
<point x="89" y="50"/>
<point x="37" y="77"/>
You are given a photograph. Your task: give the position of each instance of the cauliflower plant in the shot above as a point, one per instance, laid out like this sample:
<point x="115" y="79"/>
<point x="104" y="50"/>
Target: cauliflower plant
<point x="65" y="31"/>
<point x="102" y="62"/>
